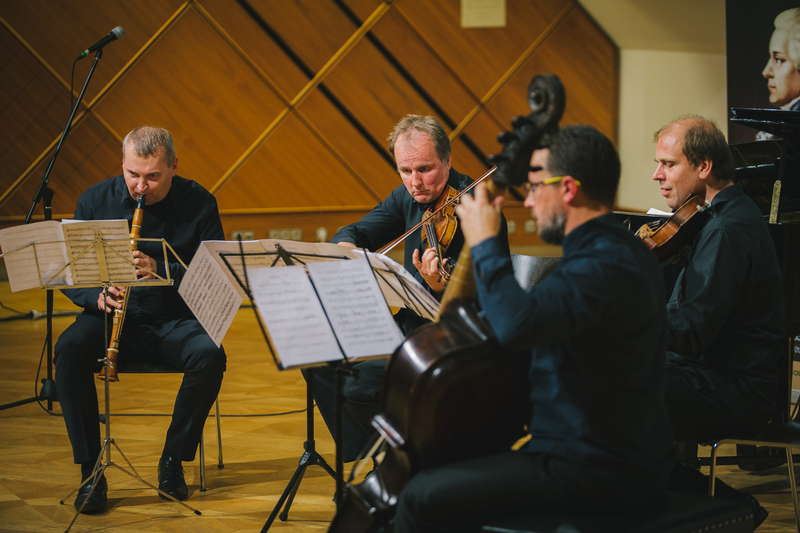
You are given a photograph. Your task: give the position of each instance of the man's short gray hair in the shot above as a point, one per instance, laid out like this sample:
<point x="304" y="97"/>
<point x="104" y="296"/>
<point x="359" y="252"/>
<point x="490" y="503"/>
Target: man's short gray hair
<point x="428" y="125"/>
<point x="148" y="140"/>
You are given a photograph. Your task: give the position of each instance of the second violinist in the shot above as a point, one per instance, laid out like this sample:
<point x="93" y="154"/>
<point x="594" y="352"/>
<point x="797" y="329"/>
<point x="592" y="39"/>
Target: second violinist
<point x="421" y="149"/>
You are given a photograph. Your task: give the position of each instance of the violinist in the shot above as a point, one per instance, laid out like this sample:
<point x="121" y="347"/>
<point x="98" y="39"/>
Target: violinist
<point x="600" y="438"/>
<point x="421" y="149"/>
<point x="159" y="326"/>
<point x="725" y="317"/>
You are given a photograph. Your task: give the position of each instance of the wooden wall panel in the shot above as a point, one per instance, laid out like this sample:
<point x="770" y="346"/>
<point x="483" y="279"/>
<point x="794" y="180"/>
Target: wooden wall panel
<point x="480" y="57"/>
<point x="285" y="171"/>
<point x="368" y="164"/>
<point x="212" y="103"/>
<point x="60" y="30"/>
<point x="314" y="30"/>
<point x="248" y="35"/>
<point x="231" y="79"/>
<point x="91" y="151"/>
<point x="424" y="66"/>
<point x="589" y="76"/>
<point x="34" y="107"/>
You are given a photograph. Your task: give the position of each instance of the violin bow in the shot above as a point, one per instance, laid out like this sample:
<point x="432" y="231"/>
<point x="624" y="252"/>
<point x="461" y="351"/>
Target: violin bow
<point x="403" y="237"/>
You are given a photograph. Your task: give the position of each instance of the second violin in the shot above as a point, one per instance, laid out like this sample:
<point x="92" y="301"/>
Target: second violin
<point x="668" y="238"/>
<point x="439" y="227"/>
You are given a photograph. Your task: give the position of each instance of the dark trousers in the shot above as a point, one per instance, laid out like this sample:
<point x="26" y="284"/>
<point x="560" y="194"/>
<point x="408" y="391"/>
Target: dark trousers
<point x="698" y="413"/>
<point x="361" y="396"/>
<point x="182" y="344"/>
<point x="464" y="495"/>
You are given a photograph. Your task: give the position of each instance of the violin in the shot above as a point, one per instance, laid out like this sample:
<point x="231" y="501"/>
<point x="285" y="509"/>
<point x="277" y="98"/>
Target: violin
<point x="439" y="224"/>
<point x="440" y="206"/>
<point x="667" y="238"/>
<point x="450" y="391"/>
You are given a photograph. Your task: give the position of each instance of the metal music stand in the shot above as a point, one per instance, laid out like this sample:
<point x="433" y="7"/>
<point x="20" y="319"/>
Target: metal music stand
<point x="104" y="256"/>
<point x="45" y="193"/>
<point x="310" y="456"/>
<point x="398" y="287"/>
<point x="101" y="465"/>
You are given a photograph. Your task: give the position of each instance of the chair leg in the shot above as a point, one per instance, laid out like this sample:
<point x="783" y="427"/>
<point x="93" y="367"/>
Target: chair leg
<point x="220" y="464"/>
<point x="202" y="464"/>
<point x="712" y="469"/>
<point x="792" y="481"/>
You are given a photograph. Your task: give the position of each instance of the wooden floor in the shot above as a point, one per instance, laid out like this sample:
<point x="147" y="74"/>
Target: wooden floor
<point x="263" y="430"/>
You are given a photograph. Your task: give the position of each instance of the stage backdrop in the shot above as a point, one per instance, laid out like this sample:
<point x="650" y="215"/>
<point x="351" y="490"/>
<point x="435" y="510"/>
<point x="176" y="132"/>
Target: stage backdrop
<point x="282" y="108"/>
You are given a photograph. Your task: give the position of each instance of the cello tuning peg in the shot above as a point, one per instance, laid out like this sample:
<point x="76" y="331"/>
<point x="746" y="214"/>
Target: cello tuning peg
<point x="520" y="121"/>
<point x="495" y="159"/>
<point x="505" y="137"/>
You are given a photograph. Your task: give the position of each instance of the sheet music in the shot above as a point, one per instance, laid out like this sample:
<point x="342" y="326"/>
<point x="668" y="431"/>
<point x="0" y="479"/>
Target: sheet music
<point x="258" y="258"/>
<point x="355" y="307"/>
<point x="211" y="296"/>
<point x="21" y="259"/>
<point x="400" y="288"/>
<point x="118" y="253"/>
<point x="293" y="316"/>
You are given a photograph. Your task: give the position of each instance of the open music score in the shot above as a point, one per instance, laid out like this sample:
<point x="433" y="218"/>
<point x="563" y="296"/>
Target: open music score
<point x="65" y="253"/>
<point x="336" y="309"/>
<point x="332" y="304"/>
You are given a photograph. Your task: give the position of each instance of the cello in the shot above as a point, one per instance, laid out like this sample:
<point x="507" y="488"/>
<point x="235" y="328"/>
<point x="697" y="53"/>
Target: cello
<point x="450" y="391"/>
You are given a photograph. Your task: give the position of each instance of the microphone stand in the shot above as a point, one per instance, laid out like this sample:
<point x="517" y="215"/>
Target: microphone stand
<point x="45" y="194"/>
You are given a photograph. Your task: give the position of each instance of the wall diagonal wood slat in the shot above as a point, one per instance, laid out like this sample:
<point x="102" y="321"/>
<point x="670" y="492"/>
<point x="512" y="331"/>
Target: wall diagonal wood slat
<point x="281" y="108"/>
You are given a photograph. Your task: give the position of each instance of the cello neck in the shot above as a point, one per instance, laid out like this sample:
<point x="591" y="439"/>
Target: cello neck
<point x="462" y="280"/>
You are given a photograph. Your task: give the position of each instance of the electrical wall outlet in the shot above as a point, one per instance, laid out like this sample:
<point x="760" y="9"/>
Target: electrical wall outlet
<point x="245" y="235"/>
<point x="287" y="234"/>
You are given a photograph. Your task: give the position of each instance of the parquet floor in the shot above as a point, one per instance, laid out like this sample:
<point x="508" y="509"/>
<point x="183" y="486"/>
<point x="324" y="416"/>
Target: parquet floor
<point x="261" y="446"/>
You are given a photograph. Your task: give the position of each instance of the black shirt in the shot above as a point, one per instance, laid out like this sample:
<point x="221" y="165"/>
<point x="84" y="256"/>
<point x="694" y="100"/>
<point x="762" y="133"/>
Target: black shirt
<point x="595" y="328"/>
<point x="186" y="217"/>
<point x="725" y="318"/>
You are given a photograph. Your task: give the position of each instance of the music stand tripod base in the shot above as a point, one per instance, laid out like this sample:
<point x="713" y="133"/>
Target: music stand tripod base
<point x="310" y="457"/>
<point x="100" y="466"/>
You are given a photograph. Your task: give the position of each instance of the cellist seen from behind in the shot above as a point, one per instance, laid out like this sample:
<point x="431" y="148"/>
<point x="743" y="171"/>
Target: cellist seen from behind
<point x="600" y="437"/>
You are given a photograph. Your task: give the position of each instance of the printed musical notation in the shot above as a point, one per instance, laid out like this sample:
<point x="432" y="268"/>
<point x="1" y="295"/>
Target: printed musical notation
<point x="52" y="254"/>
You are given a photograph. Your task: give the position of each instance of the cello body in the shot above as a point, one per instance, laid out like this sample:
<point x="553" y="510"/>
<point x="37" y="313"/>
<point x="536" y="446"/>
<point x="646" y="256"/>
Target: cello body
<point x="450" y="392"/>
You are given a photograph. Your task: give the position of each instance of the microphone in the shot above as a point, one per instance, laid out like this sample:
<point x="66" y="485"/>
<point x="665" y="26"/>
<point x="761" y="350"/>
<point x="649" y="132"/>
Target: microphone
<point x="116" y="33"/>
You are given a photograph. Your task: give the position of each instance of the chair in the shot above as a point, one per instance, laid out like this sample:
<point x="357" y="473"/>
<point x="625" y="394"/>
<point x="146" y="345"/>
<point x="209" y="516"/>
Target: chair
<point x="530" y="270"/>
<point x="781" y="432"/>
<point x="151" y="367"/>
<point x="677" y="512"/>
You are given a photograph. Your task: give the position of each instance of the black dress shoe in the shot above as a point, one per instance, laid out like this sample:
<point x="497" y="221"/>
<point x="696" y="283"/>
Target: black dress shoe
<point x="759" y="513"/>
<point x="170" y="479"/>
<point x="96" y="503"/>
